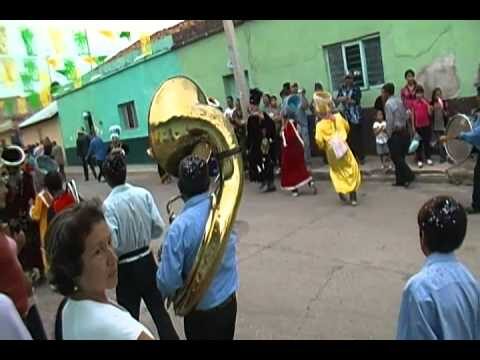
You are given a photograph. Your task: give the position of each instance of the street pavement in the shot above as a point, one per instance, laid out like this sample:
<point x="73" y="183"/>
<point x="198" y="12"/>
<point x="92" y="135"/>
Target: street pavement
<point x="310" y="267"/>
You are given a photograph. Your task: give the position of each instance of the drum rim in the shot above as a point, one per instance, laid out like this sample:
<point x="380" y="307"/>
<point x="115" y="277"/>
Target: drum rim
<point x="446" y="147"/>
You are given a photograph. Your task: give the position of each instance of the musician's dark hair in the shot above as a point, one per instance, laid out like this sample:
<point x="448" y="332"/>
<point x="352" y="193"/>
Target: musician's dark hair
<point x="193" y="176"/>
<point x="478" y="90"/>
<point x="230" y="97"/>
<point x="409" y="71"/>
<point x="443" y="222"/>
<point x="389" y="88"/>
<point x="115" y="169"/>
<point x="65" y="239"/>
<point x="53" y="182"/>
<point x="318" y="86"/>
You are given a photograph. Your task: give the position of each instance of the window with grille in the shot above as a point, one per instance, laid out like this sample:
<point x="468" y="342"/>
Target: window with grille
<point x="128" y="115"/>
<point x="363" y="58"/>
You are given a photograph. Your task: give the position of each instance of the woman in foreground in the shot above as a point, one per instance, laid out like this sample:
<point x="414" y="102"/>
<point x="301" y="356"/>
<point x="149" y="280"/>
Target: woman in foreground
<point x="83" y="265"/>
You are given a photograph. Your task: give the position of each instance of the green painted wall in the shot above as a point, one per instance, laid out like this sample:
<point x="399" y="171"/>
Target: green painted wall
<point x="275" y="51"/>
<point x="137" y="83"/>
<point x="272" y="51"/>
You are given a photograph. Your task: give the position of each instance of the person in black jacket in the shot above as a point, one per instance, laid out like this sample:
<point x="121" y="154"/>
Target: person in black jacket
<point x="261" y="138"/>
<point x="83" y="142"/>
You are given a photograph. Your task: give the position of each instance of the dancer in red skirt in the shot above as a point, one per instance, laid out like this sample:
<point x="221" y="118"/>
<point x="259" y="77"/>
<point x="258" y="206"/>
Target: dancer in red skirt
<point x="294" y="172"/>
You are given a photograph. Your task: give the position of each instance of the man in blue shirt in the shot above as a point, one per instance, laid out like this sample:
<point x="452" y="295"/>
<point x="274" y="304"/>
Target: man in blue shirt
<point x="98" y="150"/>
<point x="442" y="301"/>
<point x="134" y="220"/>
<point x="215" y="315"/>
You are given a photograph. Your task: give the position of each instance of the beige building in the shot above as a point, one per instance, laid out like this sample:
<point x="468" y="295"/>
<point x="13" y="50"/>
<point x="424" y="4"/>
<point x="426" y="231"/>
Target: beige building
<point x="41" y="125"/>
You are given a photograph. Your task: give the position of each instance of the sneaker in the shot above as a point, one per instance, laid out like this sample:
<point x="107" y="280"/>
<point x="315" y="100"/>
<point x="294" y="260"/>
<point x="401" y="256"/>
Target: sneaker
<point x="312" y="186"/>
<point x="429" y="162"/>
<point x="420" y="164"/>
<point x="295" y="193"/>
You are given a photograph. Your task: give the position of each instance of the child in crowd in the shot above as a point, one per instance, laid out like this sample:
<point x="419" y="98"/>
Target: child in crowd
<point x="421" y="112"/>
<point x="381" y="138"/>
<point x="440" y="117"/>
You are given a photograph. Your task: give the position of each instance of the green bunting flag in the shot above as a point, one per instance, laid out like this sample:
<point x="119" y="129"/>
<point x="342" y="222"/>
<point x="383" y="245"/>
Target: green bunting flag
<point x="9" y="107"/>
<point x="27" y="37"/>
<point x="33" y="100"/>
<point x="31" y="68"/>
<point x="81" y="41"/>
<point x="100" y="59"/>
<point x="125" y="34"/>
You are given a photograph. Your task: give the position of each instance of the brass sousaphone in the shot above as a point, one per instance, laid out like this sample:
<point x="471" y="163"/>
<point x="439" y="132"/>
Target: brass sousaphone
<point x="183" y="121"/>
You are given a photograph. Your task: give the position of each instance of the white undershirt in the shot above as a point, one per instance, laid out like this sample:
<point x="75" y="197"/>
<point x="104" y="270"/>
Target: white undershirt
<point x="92" y="320"/>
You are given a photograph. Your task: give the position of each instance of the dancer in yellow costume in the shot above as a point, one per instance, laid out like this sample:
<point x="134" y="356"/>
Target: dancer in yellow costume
<point x="333" y="128"/>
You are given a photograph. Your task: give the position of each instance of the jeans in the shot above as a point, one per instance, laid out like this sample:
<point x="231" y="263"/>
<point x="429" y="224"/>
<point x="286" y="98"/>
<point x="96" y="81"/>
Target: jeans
<point x="213" y="324"/>
<point x="398" y="145"/>
<point x="136" y="281"/>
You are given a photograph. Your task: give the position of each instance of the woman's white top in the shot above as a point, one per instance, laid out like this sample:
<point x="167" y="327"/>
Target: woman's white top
<point x="92" y="320"/>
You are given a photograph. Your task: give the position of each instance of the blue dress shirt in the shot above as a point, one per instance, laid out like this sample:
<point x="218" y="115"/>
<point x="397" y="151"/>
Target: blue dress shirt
<point x="441" y="302"/>
<point x="180" y="249"/>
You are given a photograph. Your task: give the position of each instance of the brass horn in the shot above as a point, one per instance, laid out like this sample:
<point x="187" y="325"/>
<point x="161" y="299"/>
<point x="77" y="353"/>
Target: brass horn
<point x="182" y="121"/>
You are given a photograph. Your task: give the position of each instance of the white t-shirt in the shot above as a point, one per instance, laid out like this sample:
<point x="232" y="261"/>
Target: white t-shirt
<point x="11" y="325"/>
<point x="382" y="136"/>
<point x="92" y="320"/>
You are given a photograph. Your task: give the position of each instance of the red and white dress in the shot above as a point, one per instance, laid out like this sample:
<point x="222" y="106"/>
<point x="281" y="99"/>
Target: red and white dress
<point x="294" y="172"/>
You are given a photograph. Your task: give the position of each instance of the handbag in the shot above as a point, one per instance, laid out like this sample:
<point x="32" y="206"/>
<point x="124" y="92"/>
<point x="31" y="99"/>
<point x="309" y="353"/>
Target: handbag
<point x="414" y="144"/>
<point x="337" y="144"/>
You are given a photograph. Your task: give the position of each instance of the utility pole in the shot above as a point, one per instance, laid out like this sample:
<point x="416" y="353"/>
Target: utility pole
<point x="238" y="71"/>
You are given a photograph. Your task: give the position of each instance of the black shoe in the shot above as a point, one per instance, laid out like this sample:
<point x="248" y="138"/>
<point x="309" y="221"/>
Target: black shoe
<point x="471" y="210"/>
<point x="343" y="198"/>
<point x="353" y="198"/>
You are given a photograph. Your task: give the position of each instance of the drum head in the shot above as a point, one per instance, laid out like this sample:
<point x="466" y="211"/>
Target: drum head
<point x="458" y="150"/>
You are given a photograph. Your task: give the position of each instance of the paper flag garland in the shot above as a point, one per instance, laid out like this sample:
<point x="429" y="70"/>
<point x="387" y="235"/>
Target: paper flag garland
<point x="146" y="45"/>
<point x="3" y="40"/>
<point x="9" y="108"/>
<point x="56" y="37"/>
<point x="125" y="34"/>
<point x="9" y="76"/>
<point x="28" y="41"/>
<point x="33" y="100"/>
<point x="92" y="60"/>
<point x="78" y="79"/>
<point x="81" y="41"/>
<point x="22" y="107"/>
<point x="45" y="97"/>
<point x="108" y="34"/>
<point x="53" y="62"/>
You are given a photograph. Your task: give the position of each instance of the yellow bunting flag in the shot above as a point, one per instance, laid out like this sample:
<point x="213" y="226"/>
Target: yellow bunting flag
<point x="45" y="97"/>
<point x="78" y="79"/>
<point x="90" y="60"/>
<point x="56" y="37"/>
<point x="2" y="105"/>
<point x="9" y="74"/>
<point x="53" y="62"/>
<point x="3" y="40"/>
<point x="146" y="44"/>
<point x="22" y="107"/>
<point x="108" y="34"/>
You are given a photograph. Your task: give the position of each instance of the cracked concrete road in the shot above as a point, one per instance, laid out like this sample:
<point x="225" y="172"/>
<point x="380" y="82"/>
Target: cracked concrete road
<point x="311" y="268"/>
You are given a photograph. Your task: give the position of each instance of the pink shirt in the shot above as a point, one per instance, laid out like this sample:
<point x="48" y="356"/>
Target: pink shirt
<point x="420" y="113"/>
